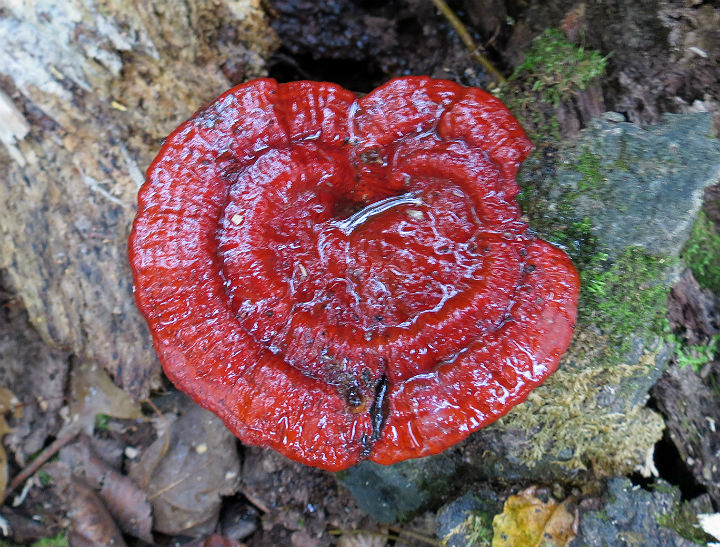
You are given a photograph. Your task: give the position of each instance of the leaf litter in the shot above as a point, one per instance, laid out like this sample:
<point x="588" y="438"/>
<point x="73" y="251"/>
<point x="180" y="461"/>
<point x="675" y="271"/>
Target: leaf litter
<point x="186" y="473"/>
<point x="123" y="498"/>
<point x="90" y="521"/>
<point x="8" y="404"/>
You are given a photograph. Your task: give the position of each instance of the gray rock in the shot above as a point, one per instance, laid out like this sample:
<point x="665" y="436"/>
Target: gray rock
<point x="642" y="187"/>
<point x="467" y="520"/>
<point x="395" y="492"/>
<point x="631" y="516"/>
<point x="637" y="192"/>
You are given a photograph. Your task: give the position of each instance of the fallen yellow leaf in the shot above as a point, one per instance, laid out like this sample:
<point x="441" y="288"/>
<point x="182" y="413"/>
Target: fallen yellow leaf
<point x="528" y="521"/>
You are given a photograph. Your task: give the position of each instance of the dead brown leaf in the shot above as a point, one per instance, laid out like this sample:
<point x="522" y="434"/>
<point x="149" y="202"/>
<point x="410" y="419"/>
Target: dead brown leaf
<point x="125" y="501"/>
<point x="37" y="375"/>
<point x="528" y="521"/>
<point x="186" y="480"/>
<point x="93" y="392"/>
<point x="90" y="522"/>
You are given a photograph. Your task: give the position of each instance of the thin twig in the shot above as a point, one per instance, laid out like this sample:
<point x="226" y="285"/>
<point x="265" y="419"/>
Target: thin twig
<point x="257" y="502"/>
<point x="393" y="533"/>
<point x="457" y="24"/>
<point x="38" y="462"/>
<point x="415" y="535"/>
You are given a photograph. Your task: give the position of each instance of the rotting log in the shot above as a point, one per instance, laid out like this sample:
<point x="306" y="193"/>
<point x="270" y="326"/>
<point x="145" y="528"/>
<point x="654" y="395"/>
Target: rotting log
<point x="88" y="90"/>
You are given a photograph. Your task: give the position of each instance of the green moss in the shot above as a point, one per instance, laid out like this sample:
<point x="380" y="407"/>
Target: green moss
<point x="553" y="71"/>
<point x="558" y="68"/>
<point x="601" y="514"/>
<point x="624" y="298"/>
<point x="44" y="478"/>
<point x="59" y="540"/>
<point x="620" y="299"/>
<point x="102" y="422"/>
<point x="664" y="488"/>
<point x="588" y="164"/>
<point x="622" y="295"/>
<point x="695" y="356"/>
<point x="537" y="118"/>
<point x="683" y="519"/>
<point x="475" y="531"/>
<point x="567" y="424"/>
<point x="622" y="164"/>
<point x="702" y="253"/>
<point x="479" y="529"/>
<point x="620" y="328"/>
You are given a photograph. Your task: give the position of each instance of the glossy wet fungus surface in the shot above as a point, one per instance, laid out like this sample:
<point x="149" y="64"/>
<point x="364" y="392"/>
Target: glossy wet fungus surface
<point x="345" y="279"/>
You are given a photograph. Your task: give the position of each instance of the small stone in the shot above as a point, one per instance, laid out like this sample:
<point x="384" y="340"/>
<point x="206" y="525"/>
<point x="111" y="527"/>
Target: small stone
<point x="614" y="117"/>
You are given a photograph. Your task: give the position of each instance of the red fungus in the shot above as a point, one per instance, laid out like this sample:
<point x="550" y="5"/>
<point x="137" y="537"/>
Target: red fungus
<point x="344" y="279"/>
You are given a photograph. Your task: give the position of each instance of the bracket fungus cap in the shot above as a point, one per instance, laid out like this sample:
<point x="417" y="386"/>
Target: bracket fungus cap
<point x="345" y="278"/>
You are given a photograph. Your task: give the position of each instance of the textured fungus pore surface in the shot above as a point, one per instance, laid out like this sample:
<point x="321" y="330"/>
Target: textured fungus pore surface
<point x="345" y="279"/>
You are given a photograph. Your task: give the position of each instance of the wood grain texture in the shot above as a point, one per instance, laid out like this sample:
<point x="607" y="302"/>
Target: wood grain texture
<point x="88" y="90"/>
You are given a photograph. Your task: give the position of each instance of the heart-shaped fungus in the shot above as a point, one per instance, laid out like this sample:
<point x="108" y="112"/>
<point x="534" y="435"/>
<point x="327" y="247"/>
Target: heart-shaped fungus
<point x="345" y="279"/>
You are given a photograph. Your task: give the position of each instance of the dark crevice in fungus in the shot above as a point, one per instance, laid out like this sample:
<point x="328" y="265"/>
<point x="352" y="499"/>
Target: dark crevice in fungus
<point x="379" y="409"/>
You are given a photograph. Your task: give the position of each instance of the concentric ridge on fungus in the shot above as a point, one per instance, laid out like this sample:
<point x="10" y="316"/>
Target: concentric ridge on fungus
<point x="344" y="279"/>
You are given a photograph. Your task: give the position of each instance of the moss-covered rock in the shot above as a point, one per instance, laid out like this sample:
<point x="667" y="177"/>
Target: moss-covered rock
<point x="631" y="516"/>
<point x="393" y="493"/>
<point x="468" y="519"/>
<point x="634" y="192"/>
<point x="553" y="71"/>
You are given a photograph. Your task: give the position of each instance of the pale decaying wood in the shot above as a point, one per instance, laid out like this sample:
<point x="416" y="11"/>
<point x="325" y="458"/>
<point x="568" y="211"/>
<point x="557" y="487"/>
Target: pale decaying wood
<point x="89" y="89"/>
<point x="13" y="128"/>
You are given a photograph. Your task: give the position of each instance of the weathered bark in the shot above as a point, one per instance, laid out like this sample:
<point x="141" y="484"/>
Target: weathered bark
<point x="88" y="89"/>
<point x="692" y="418"/>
